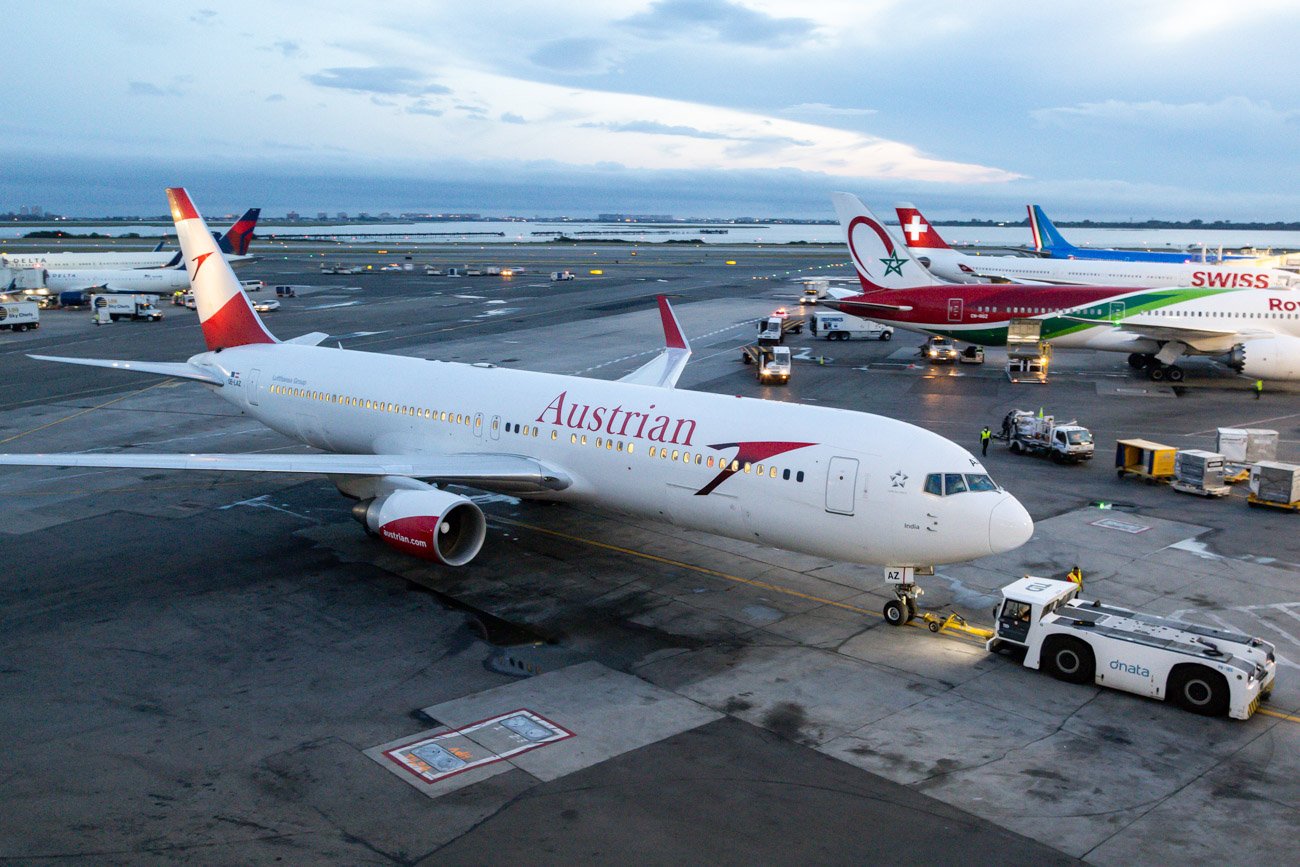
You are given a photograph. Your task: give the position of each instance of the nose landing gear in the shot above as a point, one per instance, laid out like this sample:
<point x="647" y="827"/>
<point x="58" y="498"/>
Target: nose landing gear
<point x="901" y="610"/>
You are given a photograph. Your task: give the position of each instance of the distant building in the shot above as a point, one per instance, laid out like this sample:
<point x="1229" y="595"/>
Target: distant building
<point x="634" y="218"/>
<point x="321" y="215"/>
<point x="342" y="215"/>
<point x="385" y="215"/>
<point x="292" y="216"/>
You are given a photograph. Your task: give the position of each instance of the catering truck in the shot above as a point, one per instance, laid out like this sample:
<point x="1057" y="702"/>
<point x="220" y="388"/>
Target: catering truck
<point x="1030" y="434"/>
<point x="19" y="315"/>
<point x="1203" y="670"/>
<point x="843" y="326"/>
<point x="114" y="306"/>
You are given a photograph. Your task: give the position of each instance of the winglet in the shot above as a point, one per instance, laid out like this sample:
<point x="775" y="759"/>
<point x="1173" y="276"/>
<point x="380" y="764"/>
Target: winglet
<point x="665" y="368"/>
<point x="673" y="336"/>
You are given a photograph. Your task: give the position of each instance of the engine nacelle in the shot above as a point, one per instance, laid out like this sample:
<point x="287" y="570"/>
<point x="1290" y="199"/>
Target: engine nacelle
<point x="432" y="525"/>
<point x="1267" y="357"/>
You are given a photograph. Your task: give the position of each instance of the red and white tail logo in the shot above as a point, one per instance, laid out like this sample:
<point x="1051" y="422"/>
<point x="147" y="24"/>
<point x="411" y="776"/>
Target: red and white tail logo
<point x="225" y="313"/>
<point x="880" y="263"/>
<point x="917" y="231"/>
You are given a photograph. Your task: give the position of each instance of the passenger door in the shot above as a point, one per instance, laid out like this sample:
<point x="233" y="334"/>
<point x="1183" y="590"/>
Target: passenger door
<point x="954" y="309"/>
<point x="841" y="485"/>
<point x="253" y="376"/>
<point x="1116" y="311"/>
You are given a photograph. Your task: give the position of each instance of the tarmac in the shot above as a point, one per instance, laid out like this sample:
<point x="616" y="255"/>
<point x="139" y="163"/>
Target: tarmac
<point x="223" y="668"/>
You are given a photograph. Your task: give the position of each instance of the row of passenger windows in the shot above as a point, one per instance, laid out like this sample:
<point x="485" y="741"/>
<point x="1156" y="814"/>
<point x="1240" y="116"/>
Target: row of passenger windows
<point x="947" y="484"/>
<point x="607" y="443"/>
<point x="375" y="405"/>
<point x="1103" y="311"/>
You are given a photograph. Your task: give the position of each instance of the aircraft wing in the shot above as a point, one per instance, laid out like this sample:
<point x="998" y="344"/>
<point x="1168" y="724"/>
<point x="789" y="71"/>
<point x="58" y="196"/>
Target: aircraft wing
<point x="1160" y="331"/>
<point x="179" y="370"/>
<point x="665" y="368"/>
<point x="478" y="470"/>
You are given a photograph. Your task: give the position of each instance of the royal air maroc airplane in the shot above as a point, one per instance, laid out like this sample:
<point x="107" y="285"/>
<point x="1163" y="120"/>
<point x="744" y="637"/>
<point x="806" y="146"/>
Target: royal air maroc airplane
<point x="834" y="483"/>
<point x="1049" y="242"/>
<point x="1255" y="331"/>
<point x="233" y="243"/>
<point x="946" y="263"/>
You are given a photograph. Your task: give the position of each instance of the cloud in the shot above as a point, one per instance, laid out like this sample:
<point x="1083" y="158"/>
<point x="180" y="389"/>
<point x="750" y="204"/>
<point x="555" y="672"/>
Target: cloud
<point x="724" y="21"/>
<point x="821" y="109"/>
<point x="275" y="97"/>
<point x="144" y="89"/>
<point x="572" y="54"/>
<point x="377" y="79"/>
<point x="654" y="128"/>
<point x="287" y="47"/>
<point x="511" y="117"/>
<point x="1232" y="113"/>
<point x="422" y="106"/>
<point x="204" y="16"/>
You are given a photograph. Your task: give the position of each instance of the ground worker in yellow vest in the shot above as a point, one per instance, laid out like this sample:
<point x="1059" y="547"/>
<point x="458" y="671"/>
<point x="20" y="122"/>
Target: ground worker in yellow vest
<point x="1076" y="577"/>
<point x="1259" y="388"/>
<point x="985" y="436"/>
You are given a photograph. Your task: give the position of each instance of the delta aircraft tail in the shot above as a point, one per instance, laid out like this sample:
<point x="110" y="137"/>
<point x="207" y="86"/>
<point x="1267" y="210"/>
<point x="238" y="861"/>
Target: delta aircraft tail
<point x="880" y="263"/>
<point x="237" y="238"/>
<point x="1046" y="238"/>
<point x="226" y="315"/>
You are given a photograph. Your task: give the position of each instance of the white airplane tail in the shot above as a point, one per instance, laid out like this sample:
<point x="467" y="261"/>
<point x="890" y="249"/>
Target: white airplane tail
<point x="880" y="263"/>
<point x="225" y="313"/>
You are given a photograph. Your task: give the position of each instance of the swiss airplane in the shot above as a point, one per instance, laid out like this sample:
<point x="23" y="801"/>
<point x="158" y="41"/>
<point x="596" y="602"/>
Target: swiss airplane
<point x="949" y="264"/>
<point x="829" y="482"/>
<point x="1255" y="331"/>
<point x="234" y="244"/>
<point x="1050" y="242"/>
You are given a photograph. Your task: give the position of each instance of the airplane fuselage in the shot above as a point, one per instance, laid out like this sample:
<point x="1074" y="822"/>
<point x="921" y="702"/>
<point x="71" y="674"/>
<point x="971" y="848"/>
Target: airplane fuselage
<point x="950" y="264"/>
<point x="1085" y="316"/>
<point x="838" y="484"/>
<point x="161" y="280"/>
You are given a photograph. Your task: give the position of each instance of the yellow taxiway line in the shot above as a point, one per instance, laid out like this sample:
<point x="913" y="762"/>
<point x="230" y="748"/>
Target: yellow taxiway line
<point x="84" y="411"/>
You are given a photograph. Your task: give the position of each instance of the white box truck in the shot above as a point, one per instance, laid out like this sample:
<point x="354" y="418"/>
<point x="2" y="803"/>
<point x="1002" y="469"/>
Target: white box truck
<point x="843" y="326"/>
<point x="19" y="315"/>
<point x="115" y="306"/>
<point x="1207" y="671"/>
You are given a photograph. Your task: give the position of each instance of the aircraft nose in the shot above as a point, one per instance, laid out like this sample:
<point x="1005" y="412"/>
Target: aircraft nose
<point x="1009" y="526"/>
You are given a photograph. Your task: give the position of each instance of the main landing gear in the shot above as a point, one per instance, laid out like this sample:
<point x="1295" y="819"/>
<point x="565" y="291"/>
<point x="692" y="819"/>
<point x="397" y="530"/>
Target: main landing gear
<point x="901" y="610"/>
<point x="1155" y="369"/>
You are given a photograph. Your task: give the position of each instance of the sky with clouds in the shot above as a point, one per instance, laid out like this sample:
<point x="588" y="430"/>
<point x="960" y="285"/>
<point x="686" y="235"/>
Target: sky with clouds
<point x="1101" y="109"/>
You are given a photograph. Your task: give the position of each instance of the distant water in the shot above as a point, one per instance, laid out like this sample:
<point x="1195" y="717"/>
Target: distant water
<point x="534" y="232"/>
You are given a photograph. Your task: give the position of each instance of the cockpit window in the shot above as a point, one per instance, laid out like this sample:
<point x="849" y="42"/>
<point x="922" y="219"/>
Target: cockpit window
<point x="953" y="483"/>
<point x="979" y="482"/>
<point x="934" y="484"/>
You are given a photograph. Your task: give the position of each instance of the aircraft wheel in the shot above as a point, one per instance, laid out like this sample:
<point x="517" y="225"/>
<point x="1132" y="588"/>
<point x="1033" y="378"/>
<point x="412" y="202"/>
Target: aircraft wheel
<point x="895" y="613"/>
<point x="1157" y="373"/>
<point x="911" y="609"/>
<point x="1174" y="373"/>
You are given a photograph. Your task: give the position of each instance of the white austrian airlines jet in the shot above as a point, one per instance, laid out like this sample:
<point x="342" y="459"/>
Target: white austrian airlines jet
<point x="946" y="263"/>
<point x="844" y="485"/>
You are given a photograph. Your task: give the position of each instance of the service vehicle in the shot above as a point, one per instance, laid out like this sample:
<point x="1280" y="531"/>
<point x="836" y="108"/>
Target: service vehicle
<point x="1204" y="670"/>
<point x="939" y="350"/>
<point x="560" y="276"/>
<point x="19" y="315"/>
<point x="843" y="326"/>
<point x="187" y="301"/>
<point x="814" y="291"/>
<point x="771" y="363"/>
<point x="285" y="292"/>
<point x="1145" y="460"/>
<point x="116" y="306"/>
<point x="1030" y="434"/>
<point x="252" y="285"/>
<point x="430" y="271"/>
<point x="266" y="305"/>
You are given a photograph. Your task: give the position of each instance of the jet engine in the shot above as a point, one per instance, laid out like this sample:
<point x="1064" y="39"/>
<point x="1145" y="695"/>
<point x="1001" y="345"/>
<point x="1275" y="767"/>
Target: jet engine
<point x="429" y="524"/>
<point x="1267" y="357"/>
